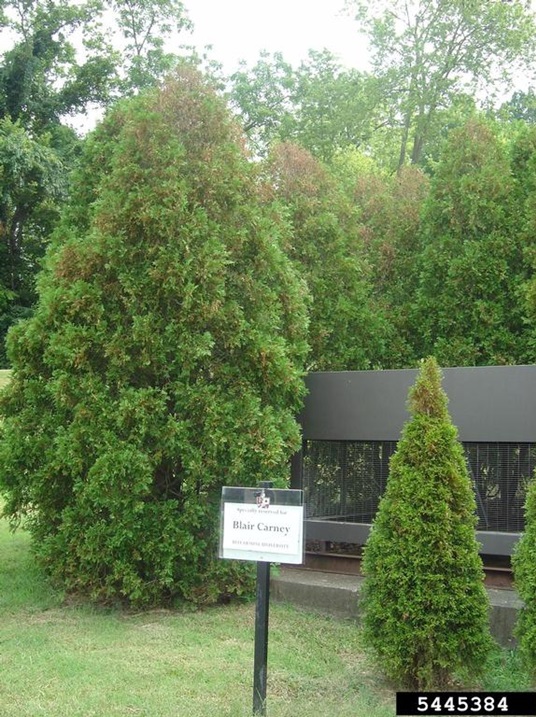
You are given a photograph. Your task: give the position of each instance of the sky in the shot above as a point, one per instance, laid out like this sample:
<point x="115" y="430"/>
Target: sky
<point x="240" y="29"/>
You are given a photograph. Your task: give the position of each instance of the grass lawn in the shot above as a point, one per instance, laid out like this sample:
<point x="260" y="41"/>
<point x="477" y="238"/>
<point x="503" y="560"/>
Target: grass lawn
<point x="70" y="660"/>
<point x="4" y="377"/>
<point x="61" y="660"/>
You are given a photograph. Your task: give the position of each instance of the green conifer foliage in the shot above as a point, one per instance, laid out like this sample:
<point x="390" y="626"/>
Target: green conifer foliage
<point x="524" y="564"/>
<point x="424" y="603"/>
<point x="472" y="264"/>
<point x="348" y="330"/>
<point x="164" y="359"/>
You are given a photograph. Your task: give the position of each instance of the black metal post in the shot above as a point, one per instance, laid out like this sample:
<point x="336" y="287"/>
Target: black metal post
<point x="296" y="470"/>
<point x="260" y="665"/>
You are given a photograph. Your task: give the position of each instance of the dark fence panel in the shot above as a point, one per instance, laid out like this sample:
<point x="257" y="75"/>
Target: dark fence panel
<point x="487" y="404"/>
<point x="351" y="423"/>
<point x="344" y="480"/>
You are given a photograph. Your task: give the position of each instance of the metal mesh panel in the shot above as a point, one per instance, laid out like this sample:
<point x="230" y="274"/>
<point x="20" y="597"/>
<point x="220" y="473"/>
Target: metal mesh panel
<point x="500" y="473"/>
<point x="344" y="480"/>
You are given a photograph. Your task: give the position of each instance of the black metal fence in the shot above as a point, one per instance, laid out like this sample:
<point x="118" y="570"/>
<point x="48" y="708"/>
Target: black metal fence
<point x="352" y="421"/>
<point x="344" y="480"/>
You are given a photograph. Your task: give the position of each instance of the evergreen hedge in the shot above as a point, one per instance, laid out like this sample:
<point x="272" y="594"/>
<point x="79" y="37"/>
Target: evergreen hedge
<point x="524" y="566"/>
<point x="424" y="603"/>
<point x="164" y="359"/>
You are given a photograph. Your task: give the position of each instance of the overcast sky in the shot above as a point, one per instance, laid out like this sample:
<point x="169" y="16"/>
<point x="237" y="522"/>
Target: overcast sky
<point x="240" y="29"/>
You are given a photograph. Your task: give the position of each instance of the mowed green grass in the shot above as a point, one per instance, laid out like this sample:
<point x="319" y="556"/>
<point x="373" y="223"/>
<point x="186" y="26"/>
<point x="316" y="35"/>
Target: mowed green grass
<point x="59" y="659"/>
<point x="4" y="377"/>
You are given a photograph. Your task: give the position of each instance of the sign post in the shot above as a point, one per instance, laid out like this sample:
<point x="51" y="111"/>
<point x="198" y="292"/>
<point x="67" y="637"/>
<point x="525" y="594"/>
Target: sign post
<point x="263" y="524"/>
<point x="260" y="664"/>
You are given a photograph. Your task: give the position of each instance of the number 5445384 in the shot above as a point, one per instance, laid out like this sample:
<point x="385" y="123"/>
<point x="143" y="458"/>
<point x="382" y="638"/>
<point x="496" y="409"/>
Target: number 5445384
<point x="460" y="704"/>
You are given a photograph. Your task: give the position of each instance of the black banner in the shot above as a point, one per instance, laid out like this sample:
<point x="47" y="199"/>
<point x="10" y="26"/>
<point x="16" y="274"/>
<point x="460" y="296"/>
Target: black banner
<point x="521" y="704"/>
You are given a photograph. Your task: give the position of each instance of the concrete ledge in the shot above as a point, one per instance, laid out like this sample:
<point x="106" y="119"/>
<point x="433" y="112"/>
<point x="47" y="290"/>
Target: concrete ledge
<point x="338" y="595"/>
<point x="328" y="593"/>
<point x="505" y="606"/>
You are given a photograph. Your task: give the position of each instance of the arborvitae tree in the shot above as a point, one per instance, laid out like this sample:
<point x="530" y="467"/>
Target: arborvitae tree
<point x="524" y="173"/>
<point x="468" y="308"/>
<point x="424" y="602"/>
<point x="389" y="225"/>
<point x="524" y="564"/>
<point x="164" y="359"/>
<point x="348" y="330"/>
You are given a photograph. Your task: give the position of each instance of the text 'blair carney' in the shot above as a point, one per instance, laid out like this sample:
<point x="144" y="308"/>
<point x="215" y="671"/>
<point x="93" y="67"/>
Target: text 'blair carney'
<point x="239" y="525"/>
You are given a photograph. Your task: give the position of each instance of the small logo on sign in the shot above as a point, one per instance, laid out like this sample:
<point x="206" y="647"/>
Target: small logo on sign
<point x="262" y="500"/>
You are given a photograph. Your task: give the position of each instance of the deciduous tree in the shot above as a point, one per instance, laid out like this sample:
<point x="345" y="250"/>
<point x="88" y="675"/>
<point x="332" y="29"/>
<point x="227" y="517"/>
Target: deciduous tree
<point x="424" y="51"/>
<point x="33" y="183"/>
<point x="263" y="96"/>
<point x="144" y="26"/>
<point x="43" y="78"/>
<point x="320" y="105"/>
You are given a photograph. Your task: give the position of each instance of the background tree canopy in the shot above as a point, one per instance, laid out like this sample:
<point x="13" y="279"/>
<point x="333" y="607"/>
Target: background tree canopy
<point x="371" y="246"/>
<point x="427" y="51"/>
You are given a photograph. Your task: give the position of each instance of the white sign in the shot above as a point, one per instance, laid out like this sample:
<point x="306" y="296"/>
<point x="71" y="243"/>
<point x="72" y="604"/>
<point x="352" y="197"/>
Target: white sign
<point x="268" y="533"/>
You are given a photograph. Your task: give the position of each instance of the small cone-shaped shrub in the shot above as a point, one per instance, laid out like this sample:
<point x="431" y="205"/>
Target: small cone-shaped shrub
<point x="424" y="603"/>
<point x="164" y="359"/>
<point x="524" y="565"/>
